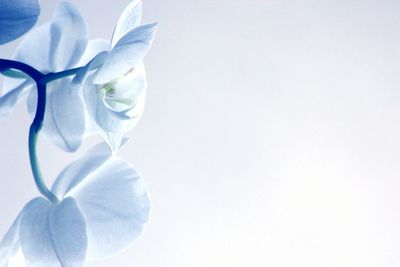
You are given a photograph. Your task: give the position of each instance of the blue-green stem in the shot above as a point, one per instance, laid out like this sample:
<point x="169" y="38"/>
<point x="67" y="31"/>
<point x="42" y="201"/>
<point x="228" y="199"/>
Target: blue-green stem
<point x="41" y="81"/>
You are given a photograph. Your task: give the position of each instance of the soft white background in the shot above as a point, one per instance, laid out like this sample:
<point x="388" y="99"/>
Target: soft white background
<point x="270" y="138"/>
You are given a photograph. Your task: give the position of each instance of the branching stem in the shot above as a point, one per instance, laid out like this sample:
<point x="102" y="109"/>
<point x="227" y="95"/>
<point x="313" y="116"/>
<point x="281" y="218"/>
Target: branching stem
<point x="41" y="81"/>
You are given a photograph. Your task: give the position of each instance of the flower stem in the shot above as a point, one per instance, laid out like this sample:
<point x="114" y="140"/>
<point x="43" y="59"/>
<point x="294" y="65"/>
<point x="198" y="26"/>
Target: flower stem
<point x="41" y="80"/>
<point x="58" y="75"/>
<point x="34" y="130"/>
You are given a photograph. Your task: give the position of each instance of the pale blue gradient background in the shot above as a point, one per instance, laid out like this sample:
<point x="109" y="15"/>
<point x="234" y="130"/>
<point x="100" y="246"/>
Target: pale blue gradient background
<point x="270" y="136"/>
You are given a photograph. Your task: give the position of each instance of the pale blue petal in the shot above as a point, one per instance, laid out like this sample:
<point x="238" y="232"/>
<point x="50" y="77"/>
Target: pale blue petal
<point x="10" y="243"/>
<point x="93" y="48"/>
<point x="68" y="37"/>
<point x="16" y="18"/>
<point x="35" y="239"/>
<point x="10" y="99"/>
<point x="57" y="45"/>
<point x="37" y="40"/>
<point x="112" y="198"/>
<point x="66" y="110"/>
<point x="129" y="19"/>
<point x="64" y="120"/>
<point x="80" y="80"/>
<point x="113" y="118"/>
<point x="68" y="233"/>
<point x="53" y="235"/>
<point x="77" y="171"/>
<point x="127" y="53"/>
<point x="108" y="124"/>
<point x="113" y="139"/>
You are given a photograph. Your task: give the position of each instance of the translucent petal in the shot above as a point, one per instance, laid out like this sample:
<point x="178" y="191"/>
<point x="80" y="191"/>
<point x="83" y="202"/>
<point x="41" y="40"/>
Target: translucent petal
<point x="10" y="244"/>
<point x="129" y="19"/>
<point x="127" y="53"/>
<point x="53" y="235"/>
<point x="58" y="45"/>
<point x="10" y="99"/>
<point x="112" y="198"/>
<point x="16" y="18"/>
<point x="37" y="40"/>
<point x="127" y="89"/>
<point x="115" y="115"/>
<point x="64" y="120"/>
<point x="77" y="171"/>
<point x="68" y="37"/>
<point x="93" y="48"/>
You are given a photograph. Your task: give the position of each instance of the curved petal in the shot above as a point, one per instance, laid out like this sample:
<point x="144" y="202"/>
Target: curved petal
<point x="37" y="40"/>
<point x="112" y="198"/>
<point x="57" y="45"/>
<point x="68" y="37"/>
<point x="115" y="115"/>
<point x="10" y="99"/>
<point x="94" y="47"/>
<point x="129" y="19"/>
<point x="16" y="18"/>
<point x="127" y="89"/>
<point x="64" y="121"/>
<point x="77" y="171"/>
<point x="102" y="117"/>
<point x="127" y="53"/>
<point x="53" y="235"/>
<point x="10" y="244"/>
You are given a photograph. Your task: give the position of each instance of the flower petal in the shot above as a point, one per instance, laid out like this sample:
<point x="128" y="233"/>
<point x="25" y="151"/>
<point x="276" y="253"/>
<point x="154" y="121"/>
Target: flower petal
<point x="10" y="244"/>
<point x="127" y="53"/>
<point x="16" y="18"/>
<point x="64" y="120"/>
<point x="94" y="47"/>
<point x="37" y="40"/>
<point x="68" y="37"/>
<point x="114" y="119"/>
<point x="10" y="99"/>
<point x="112" y="198"/>
<point x="53" y="234"/>
<point x="77" y="171"/>
<point x="58" y="45"/>
<point x="129" y="19"/>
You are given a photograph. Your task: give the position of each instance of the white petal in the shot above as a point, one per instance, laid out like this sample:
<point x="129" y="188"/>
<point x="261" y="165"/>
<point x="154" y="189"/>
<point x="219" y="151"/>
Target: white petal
<point x="67" y="111"/>
<point x="10" y="245"/>
<point x="93" y="48"/>
<point x="112" y="198"/>
<point x="37" y="40"/>
<point x="53" y="235"/>
<point x="10" y="99"/>
<point x="127" y="53"/>
<point x="68" y="232"/>
<point x="129" y="19"/>
<point x="114" y="119"/>
<point x="113" y="139"/>
<point x="64" y="120"/>
<point x="68" y="37"/>
<point x="77" y="171"/>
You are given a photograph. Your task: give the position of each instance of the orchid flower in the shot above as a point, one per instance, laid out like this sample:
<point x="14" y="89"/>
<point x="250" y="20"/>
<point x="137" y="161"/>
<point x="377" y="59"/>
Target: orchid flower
<point x="115" y="92"/>
<point x="52" y="47"/>
<point x="102" y="208"/>
<point x="16" y="18"/>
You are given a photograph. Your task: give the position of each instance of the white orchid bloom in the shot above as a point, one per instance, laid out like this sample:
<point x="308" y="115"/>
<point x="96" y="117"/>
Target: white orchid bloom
<point x="103" y="207"/>
<point x="53" y="47"/>
<point x="115" y="92"/>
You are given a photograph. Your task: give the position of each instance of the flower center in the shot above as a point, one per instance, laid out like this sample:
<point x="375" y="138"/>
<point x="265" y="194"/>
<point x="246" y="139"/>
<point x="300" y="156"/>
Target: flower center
<point x="117" y="92"/>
